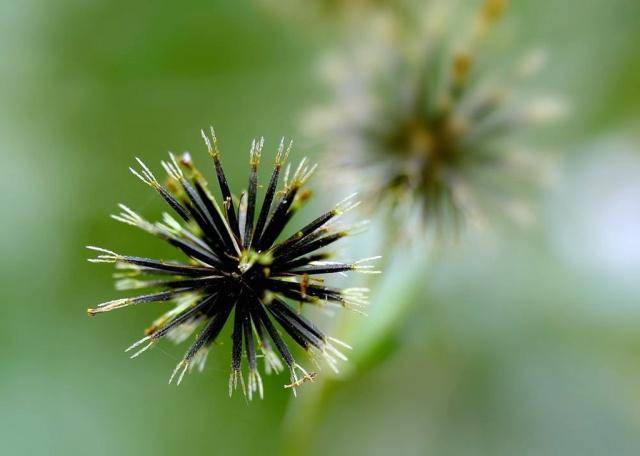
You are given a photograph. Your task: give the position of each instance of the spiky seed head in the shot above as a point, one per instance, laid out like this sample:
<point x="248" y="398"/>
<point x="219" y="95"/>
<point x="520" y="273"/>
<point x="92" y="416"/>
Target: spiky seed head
<point x="236" y="270"/>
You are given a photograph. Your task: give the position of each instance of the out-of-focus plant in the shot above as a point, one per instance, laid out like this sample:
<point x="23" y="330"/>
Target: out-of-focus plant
<point x="424" y="120"/>
<point x="428" y="124"/>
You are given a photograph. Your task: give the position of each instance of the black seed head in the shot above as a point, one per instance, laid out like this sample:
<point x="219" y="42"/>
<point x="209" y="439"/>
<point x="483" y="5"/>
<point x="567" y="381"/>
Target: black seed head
<point x="236" y="270"/>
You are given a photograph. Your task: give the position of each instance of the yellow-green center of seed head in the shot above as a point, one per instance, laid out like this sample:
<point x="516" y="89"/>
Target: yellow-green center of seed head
<point x="251" y="257"/>
<point x="426" y="143"/>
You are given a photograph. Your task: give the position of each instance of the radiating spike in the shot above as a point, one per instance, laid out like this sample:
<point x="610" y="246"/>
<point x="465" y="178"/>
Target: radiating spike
<point x="124" y="302"/>
<point x="247" y="230"/>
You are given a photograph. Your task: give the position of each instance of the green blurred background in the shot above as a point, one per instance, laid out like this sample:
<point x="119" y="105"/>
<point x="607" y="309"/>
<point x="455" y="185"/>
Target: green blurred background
<point x="525" y="344"/>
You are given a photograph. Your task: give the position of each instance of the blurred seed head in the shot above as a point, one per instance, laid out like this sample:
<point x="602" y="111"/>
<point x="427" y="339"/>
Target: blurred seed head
<point x="420" y="120"/>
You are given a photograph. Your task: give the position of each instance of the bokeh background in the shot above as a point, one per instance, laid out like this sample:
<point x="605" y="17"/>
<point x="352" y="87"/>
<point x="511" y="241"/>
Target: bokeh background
<point x="526" y="342"/>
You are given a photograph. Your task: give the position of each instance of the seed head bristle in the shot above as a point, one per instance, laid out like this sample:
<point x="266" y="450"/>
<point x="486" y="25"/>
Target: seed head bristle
<point x="256" y="151"/>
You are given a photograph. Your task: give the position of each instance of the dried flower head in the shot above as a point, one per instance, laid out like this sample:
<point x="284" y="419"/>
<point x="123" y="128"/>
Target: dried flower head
<point x="424" y="116"/>
<point x="236" y="267"/>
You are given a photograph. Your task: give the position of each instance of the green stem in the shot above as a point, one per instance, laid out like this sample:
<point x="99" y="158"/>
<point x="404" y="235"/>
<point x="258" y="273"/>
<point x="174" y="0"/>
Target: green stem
<point x="395" y="299"/>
